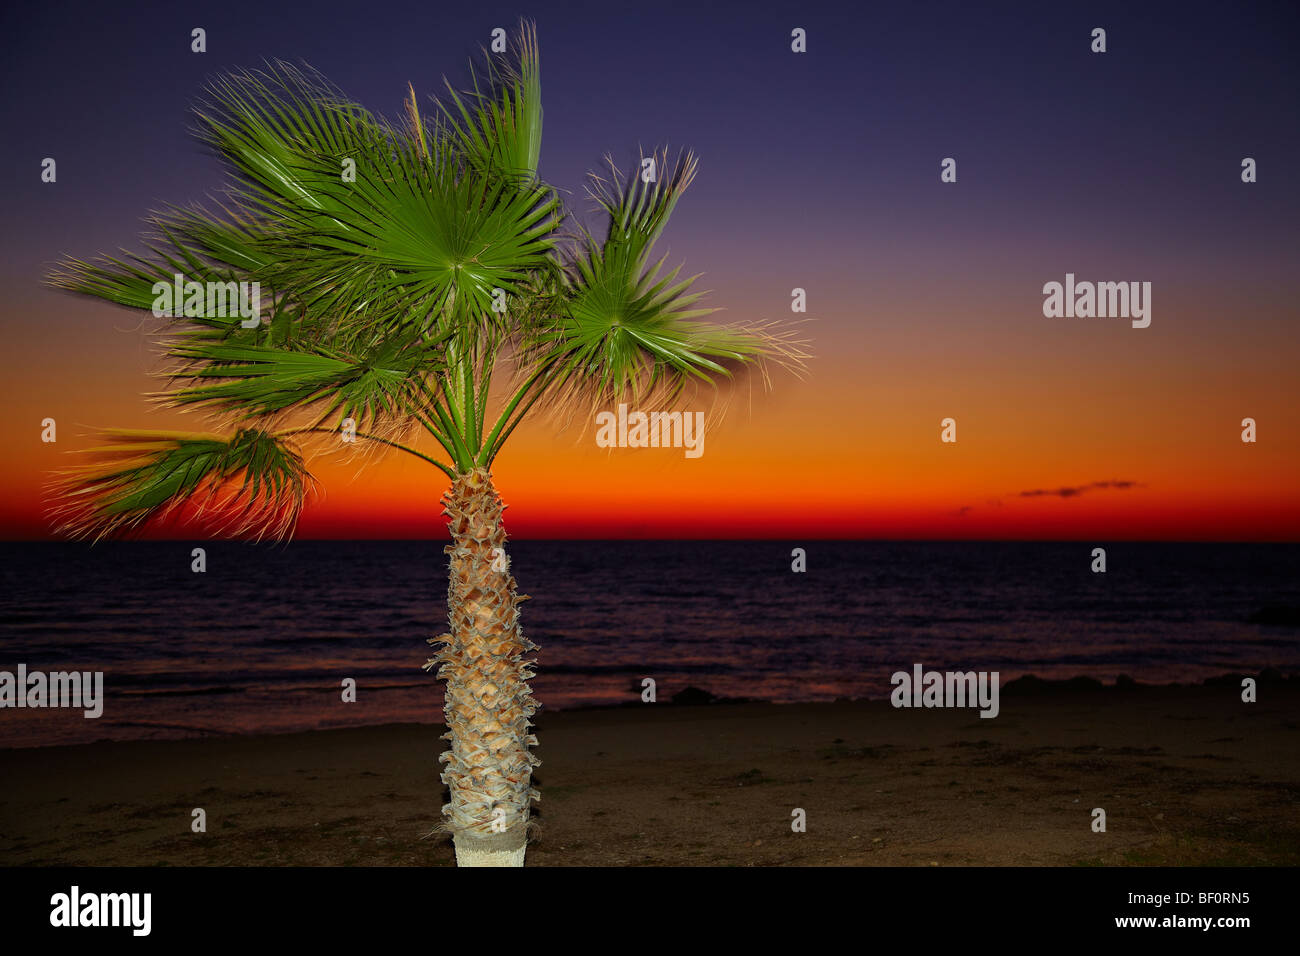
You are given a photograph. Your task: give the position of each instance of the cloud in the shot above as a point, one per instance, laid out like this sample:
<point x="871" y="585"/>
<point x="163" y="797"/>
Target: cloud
<point x="1076" y="490"/>
<point x="1069" y="491"/>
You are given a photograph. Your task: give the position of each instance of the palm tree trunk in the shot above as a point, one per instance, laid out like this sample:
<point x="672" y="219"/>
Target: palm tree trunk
<point x="488" y="703"/>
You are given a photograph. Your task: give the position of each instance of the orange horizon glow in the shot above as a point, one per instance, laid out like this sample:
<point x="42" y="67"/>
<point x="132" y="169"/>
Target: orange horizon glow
<point x="850" y="450"/>
<point x="779" y="467"/>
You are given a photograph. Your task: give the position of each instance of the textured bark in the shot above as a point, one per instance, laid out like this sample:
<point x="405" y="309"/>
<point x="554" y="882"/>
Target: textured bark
<point x="488" y="702"/>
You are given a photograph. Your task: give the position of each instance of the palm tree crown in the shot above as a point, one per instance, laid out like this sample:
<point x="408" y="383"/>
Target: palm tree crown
<point x="399" y="266"/>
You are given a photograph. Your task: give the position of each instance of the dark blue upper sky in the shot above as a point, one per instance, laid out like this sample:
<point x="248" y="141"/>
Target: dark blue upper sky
<point x="832" y="139"/>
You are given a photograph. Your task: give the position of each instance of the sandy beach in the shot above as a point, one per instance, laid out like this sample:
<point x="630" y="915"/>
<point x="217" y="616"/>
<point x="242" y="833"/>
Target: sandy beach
<point x="1186" y="775"/>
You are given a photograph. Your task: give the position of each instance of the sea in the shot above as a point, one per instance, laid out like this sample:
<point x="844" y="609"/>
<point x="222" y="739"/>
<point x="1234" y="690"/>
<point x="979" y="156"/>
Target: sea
<point x="264" y="638"/>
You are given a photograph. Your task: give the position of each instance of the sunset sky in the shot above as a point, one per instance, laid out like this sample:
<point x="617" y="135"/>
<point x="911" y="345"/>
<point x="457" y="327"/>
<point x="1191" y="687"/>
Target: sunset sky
<point x="818" y="170"/>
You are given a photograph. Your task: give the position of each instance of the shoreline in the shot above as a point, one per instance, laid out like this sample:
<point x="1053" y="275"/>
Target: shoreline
<point x="692" y="696"/>
<point x="1188" y="775"/>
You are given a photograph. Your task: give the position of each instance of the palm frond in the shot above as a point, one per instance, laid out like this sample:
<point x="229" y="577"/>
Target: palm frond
<point x="267" y="124"/>
<point x="421" y="234"/>
<point x="384" y="383"/>
<point x="253" y="483"/>
<point x="497" y="126"/>
<point x="625" y="327"/>
<point x="187" y="245"/>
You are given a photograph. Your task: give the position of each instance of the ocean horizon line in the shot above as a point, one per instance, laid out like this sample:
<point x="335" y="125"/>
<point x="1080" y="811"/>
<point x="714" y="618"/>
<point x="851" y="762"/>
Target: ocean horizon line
<point x="703" y="540"/>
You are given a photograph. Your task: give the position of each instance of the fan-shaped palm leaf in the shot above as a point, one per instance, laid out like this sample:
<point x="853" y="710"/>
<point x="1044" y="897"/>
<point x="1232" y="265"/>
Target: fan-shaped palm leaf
<point x="624" y="327"/>
<point x="255" y="482"/>
<point x="385" y="382"/>
<point x="499" y="126"/>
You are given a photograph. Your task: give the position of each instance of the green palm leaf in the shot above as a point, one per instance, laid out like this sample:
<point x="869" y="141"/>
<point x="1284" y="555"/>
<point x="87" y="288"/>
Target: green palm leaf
<point x="385" y="382"/>
<point x="252" y="483"/>
<point x="625" y="328"/>
<point x="423" y="230"/>
<point x="197" y="246"/>
<point x="499" y="127"/>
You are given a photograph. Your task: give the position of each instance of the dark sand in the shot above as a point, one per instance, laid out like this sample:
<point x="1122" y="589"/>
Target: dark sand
<point x="1187" y="776"/>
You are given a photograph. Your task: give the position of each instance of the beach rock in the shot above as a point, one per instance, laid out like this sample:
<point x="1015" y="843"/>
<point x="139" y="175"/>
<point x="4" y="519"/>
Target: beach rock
<point x="1088" y="684"/>
<point x="1232" y="680"/>
<point x="1277" y="615"/>
<point x="1030" y="684"/>
<point x="693" y="697"/>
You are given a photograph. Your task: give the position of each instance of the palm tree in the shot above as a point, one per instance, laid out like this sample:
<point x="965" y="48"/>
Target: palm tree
<point x="399" y="265"/>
